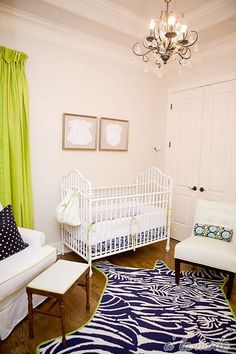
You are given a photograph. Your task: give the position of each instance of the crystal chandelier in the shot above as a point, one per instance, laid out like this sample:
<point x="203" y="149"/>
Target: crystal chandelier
<point x="169" y="38"/>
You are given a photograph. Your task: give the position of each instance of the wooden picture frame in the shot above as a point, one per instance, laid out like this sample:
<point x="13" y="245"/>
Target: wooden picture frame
<point x="79" y="132"/>
<point x="114" y="134"/>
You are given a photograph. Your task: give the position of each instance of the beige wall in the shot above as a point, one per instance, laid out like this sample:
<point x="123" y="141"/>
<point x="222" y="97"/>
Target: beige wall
<point x="206" y="70"/>
<point x="66" y="80"/>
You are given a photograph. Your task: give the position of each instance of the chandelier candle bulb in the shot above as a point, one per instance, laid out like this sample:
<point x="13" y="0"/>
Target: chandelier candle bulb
<point x="168" y="38"/>
<point x="171" y="20"/>
<point x="171" y="23"/>
<point x="183" y="28"/>
<point x="152" y="27"/>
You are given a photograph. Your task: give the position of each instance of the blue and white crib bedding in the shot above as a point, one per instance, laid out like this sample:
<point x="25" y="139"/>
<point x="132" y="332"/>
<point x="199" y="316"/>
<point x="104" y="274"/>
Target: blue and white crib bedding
<point x="129" y="241"/>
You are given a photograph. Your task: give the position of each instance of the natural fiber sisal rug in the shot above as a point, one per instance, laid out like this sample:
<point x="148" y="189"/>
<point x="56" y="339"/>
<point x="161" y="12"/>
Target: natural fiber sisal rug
<point x="143" y="311"/>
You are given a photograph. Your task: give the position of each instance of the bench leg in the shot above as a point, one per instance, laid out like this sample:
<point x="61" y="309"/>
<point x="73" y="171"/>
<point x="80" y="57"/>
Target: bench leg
<point x="177" y="271"/>
<point x="62" y="315"/>
<point x="30" y="314"/>
<point x="230" y="285"/>
<point x="87" y="291"/>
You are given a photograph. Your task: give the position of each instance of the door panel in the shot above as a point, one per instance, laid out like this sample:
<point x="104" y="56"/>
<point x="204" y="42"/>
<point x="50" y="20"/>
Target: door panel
<point x="183" y="156"/>
<point x="218" y="160"/>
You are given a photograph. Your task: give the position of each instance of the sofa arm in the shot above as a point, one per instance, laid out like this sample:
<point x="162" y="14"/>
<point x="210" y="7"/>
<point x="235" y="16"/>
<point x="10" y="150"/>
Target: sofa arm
<point x="32" y="237"/>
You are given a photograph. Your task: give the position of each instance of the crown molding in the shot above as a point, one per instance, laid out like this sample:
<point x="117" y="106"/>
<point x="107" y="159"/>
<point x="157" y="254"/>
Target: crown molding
<point x="213" y="12"/>
<point x="226" y="44"/>
<point x="34" y="26"/>
<point x="106" y="13"/>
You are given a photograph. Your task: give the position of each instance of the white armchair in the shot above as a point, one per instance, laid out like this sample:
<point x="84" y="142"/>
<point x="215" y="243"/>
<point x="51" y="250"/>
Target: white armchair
<point x="16" y="272"/>
<point x="206" y="251"/>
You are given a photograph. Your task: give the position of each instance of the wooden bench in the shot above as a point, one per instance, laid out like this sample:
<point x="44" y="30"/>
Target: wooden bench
<point x="56" y="282"/>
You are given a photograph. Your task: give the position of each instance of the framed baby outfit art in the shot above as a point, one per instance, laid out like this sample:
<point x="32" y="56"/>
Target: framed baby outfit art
<point x="113" y="134"/>
<point x="79" y="132"/>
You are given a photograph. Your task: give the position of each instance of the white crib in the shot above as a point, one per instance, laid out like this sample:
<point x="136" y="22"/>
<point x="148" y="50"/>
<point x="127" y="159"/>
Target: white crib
<point x="118" y="218"/>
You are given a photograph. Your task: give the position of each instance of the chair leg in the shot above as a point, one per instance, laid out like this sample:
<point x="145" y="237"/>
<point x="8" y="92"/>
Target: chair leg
<point x="230" y="285"/>
<point x="177" y="271"/>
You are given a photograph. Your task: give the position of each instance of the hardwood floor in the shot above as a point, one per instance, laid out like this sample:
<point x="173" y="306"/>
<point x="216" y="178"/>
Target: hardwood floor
<point x="76" y="315"/>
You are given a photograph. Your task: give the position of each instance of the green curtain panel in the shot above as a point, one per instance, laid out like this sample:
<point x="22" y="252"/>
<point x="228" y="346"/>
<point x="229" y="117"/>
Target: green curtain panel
<point x="15" y="176"/>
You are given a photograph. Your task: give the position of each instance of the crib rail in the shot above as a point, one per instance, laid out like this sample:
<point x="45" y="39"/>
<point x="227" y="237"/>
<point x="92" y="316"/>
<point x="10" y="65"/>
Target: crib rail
<point x="113" y="191"/>
<point x="152" y="180"/>
<point x="75" y="180"/>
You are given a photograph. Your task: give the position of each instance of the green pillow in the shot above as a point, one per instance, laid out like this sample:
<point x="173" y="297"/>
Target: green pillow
<point x="213" y="231"/>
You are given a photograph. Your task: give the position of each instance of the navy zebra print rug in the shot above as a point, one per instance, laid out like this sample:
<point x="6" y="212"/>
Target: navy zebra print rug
<point x="143" y="311"/>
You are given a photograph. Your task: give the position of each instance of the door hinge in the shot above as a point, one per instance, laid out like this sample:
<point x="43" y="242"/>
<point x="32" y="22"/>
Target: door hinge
<point x="171" y="106"/>
<point x="169" y="144"/>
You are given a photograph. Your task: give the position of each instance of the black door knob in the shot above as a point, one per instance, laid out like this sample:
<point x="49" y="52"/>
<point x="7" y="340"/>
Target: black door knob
<point x="194" y="188"/>
<point x="201" y="189"/>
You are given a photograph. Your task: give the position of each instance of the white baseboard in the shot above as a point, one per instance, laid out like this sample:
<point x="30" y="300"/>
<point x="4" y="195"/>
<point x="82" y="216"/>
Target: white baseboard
<point x="57" y="245"/>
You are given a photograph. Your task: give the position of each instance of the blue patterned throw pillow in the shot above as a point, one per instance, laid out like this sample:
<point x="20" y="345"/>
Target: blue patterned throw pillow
<point x="213" y="231"/>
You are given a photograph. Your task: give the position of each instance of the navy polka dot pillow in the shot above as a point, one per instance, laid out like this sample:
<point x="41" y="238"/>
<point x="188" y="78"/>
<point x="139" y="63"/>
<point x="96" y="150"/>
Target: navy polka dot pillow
<point x="10" y="239"/>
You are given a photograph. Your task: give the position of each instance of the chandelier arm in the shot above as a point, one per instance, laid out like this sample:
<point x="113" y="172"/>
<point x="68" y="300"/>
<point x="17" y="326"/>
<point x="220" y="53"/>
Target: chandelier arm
<point x="191" y="44"/>
<point x="183" y="55"/>
<point x="195" y="32"/>
<point x="139" y="54"/>
<point x="183" y="50"/>
<point x="143" y="55"/>
<point x="148" y="48"/>
<point x="185" y="35"/>
<point x="181" y="58"/>
<point x="149" y="51"/>
<point x="172" y="47"/>
<point x="145" y="46"/>
<point x="140" y="43"/>
<point x="187" y="54"/>
<point x="169" y="45"/>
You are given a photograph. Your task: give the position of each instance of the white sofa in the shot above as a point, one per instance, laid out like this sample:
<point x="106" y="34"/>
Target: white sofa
<point x="16" y="272"/>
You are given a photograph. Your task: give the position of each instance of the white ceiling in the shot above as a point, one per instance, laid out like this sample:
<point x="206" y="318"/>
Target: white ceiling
<point x="121" y="23"/>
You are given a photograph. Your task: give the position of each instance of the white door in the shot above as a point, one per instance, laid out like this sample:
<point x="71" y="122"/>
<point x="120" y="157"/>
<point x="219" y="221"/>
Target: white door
<point x="183" y="156"/>
<point x="217" y="179"/>
<point x="201" y="150"/>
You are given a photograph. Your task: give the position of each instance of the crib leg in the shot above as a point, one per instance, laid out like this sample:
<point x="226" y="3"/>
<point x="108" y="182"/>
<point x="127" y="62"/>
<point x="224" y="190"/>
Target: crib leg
<point x="90" y="262"/>
<point x="168" y="245"/>
<point x="90" y="270"/>
<point x="62" y="243"/>
<point x="62" y="249"/>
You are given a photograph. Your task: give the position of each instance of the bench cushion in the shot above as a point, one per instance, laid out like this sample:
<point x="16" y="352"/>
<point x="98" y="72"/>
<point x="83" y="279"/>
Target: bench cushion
<point x="207" y="251"/>
<point x="59" y="277"/>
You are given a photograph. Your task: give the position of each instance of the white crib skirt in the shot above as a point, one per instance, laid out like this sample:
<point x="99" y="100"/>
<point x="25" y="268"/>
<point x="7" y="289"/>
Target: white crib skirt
<point x="125" y="226"/>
